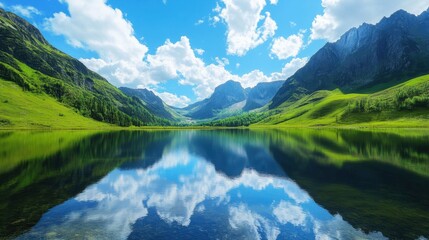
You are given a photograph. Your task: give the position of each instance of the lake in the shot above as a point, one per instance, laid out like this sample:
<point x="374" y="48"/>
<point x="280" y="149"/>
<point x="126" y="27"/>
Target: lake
<point x="215" y="184"/>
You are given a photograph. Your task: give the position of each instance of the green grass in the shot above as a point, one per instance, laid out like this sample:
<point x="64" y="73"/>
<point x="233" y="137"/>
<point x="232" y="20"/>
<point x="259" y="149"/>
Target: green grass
<point x="330" y="108"/>
<point x="26" y="110"/>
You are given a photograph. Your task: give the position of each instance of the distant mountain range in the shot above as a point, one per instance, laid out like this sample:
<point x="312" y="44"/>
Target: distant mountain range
<point x="230" y="99"/>
<point x="395" y="49"/>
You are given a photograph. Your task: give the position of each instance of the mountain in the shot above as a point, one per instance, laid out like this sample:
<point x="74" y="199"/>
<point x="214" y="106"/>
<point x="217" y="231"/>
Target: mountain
<point x="394" y="50"/>
<point x="151" y="101"/>
<point x="261" y="94"/>
<point x="230" y="99"/>
<point x="28" y="60"/>
<point x="224" y="96"/>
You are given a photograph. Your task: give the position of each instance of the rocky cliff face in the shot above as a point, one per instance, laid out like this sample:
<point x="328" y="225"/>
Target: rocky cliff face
<point x="397" y="48"/>
<point x="261" y="94"/>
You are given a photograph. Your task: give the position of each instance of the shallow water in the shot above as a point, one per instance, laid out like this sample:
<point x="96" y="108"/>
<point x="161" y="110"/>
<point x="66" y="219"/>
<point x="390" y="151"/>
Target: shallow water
<point x="228" y="184"/>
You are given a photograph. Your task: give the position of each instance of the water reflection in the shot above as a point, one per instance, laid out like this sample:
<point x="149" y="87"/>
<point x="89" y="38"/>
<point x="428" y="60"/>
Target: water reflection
<point x="226" y="185"/>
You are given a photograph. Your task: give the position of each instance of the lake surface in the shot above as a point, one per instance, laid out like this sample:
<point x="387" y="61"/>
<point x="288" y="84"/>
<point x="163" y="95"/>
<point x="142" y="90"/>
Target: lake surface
<point x="223" y="184"/>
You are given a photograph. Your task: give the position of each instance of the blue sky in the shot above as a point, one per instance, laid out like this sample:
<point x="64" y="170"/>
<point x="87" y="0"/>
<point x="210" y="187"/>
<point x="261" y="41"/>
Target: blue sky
<point x="183" y="49"/>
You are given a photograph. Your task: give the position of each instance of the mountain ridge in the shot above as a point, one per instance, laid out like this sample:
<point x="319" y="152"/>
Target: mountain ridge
<point x="230" y="98"/>
<point x="370" y="54"/>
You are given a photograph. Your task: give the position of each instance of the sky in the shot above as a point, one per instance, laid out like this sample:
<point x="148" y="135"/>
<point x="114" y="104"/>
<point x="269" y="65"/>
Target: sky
<point x="183" y="49"/>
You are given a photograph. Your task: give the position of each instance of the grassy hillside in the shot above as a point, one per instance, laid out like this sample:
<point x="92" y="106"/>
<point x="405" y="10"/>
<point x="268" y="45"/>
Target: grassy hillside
<point x="28" y="60"/>
<point x="26" y="110"/>
<point x="403" y="105"/>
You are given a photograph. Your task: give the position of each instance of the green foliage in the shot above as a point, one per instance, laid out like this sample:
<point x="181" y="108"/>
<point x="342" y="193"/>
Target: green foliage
<point x="245" y="119"/>
<point x="10" y="75"/>
<point x="404" y="98"/>
<point x="29" y="110"/>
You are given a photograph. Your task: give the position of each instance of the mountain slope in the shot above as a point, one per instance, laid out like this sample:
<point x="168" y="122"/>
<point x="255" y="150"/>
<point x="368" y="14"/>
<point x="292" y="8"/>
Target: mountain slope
<point x="261" y="94"/>
<point x="224" y="96"/>
<point x="27" y="59"/>
<point x="394" y="50"/>
<point x="403" y="105"/>
<point x="151" y="101"/>
<point x="25" y="110"/>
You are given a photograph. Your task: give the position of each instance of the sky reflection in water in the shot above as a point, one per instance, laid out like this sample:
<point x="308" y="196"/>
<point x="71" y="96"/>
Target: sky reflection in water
<point x="202" y="186"/>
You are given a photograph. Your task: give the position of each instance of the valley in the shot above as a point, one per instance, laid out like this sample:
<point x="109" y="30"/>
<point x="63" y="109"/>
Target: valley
<point x="365" y="79"/>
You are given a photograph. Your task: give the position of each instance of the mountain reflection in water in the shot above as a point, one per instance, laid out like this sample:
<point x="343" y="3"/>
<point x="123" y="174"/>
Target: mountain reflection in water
<point x="228" y="184"/>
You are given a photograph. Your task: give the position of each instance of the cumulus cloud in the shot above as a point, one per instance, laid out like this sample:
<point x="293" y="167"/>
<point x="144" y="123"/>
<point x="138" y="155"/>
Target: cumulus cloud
<point x="243" y="18"/>
<point x="289" y="69"/>
<point x="341" y="15"/>
<point x="284" y="48"/>
<point x="178" y="61"/>
<point x="173" y="99"/>
<point x="26" y="11"/>
<point x="120" y="51"/>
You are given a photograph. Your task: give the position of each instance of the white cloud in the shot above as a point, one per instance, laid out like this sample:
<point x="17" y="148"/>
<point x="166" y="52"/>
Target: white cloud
<point x="274" y="2"/>
<point x="1" y="5"/>
<point x="215" y="19"/>
<point x="284" y="48"/>
<point x="252" y="78"/>
<point x="341" y="15"/>
<point x="217" y="9"/>
<point x="117" y="72"/>
<point x="222" y="61"/>
<point x="174" y="100"/>
<point x="178" y="61"/>
<point x="289" y="69"/>
<point x="26" y="11"/>
<point x="199" y="51"/>
<point x="199" y="22"/>
<point x="242" y="18"/>
<point x="285" y="212"/>
<point x="118" y="48"/>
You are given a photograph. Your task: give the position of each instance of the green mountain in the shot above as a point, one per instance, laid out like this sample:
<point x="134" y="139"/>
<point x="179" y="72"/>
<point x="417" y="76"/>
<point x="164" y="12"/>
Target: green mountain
<point x="392" y="51"/>
<point x="152" y="102"/>
<point x="43" y="72"/>
<point x="403" y="105"/>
